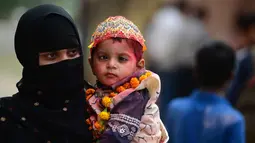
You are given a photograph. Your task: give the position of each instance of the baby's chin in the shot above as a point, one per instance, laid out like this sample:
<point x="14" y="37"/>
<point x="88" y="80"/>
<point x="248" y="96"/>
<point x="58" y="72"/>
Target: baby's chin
<point x="109" y="82"/>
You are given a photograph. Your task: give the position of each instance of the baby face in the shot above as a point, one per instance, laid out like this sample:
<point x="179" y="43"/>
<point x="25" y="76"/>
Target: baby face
<point x="112" y="61"/>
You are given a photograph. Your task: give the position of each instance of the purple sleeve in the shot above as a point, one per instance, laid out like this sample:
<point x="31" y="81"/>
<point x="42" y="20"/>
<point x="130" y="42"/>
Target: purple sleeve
<point x="125" y="118"/>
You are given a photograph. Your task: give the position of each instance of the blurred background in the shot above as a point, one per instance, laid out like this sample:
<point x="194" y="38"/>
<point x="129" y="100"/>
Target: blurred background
<point x="173" y="29"/>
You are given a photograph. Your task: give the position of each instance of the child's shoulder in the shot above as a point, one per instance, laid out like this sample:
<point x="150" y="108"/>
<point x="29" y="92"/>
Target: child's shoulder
<point x="232" y="115"/>
<point x="150" y="81"/>
<point x="152" y="84"/>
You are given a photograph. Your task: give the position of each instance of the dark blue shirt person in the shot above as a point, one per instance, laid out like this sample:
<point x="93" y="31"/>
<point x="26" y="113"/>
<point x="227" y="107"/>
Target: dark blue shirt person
<point x="246" y="30"/>
<point x="206" y="116"/>
<point x="243" y="73"/>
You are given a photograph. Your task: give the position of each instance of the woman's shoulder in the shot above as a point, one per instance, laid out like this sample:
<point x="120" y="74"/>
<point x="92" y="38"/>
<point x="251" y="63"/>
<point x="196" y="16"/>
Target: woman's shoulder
<point x="7" y="105"/>
<point x="6" y="118"/>
<point x="5" y="101"/>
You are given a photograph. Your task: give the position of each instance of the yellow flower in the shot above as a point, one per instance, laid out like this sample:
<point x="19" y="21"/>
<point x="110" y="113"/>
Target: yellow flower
<point x="90" y="91"/>
<point x="112" y="94"/>
<point x="142" y="77"/>
<point x="134" y="82"/>
<point x="148" y="74"/>
<point x="120" y="89"/>
<point x="104" y="115"/>
<point x="97" y="125"/>
<point x="126" y="85"/>
<point x="91" y="45"/>
<point x="106" y="101"/>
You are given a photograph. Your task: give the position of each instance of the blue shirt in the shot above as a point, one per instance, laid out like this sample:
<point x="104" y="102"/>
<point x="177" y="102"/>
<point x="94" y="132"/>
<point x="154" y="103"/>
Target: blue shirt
<point x="204" y="118"/>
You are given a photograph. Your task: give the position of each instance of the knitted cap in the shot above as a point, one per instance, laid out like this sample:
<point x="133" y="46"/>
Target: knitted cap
<point x="116" y="27"/>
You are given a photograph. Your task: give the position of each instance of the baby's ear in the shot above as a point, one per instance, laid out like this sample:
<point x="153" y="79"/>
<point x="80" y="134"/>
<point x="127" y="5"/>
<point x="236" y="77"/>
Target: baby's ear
<point x="141" y="64"/>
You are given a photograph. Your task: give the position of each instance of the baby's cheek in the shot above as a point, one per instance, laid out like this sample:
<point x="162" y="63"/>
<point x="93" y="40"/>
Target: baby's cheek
<point x="99" y="71"/>
<point x="98" y="67"/>
<point x="127" y="72"/>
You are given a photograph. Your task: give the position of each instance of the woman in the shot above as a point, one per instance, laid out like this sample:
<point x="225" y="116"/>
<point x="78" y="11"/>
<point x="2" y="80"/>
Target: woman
<point x="49" y="105"/>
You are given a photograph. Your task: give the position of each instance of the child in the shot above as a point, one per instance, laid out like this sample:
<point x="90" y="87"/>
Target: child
<point x="122" y="104"/>
<point x="206" y="116"/>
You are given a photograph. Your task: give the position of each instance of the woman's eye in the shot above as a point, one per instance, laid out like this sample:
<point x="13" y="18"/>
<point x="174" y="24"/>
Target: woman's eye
<point x="73" y="52"/>
<point x="50" y="56"/>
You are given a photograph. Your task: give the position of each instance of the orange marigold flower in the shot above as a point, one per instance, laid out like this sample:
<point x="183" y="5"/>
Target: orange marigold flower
<point x="88" y="121"/>
<point x="90" y="127"/>
<point x="112" y="94"/>
<point x="148" y="74"/>
<point x="127" y="85"/>
<point x="106" y="101"/>
<point x="142" y="77"/>
<point x="120" y="89"/>
<point x="88" y="96"/>
<point x="97" y="125"/>
<point x="90" y="91"/>
<point x="144" y="48"/>
<point x="134" y="82"/>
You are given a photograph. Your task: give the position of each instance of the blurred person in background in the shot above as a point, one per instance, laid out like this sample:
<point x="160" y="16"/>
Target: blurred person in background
<point x="206" y="116"/>
<point x="244" y="69"/>
<point x="174" y="34"/>
<point x="50" y="103"/>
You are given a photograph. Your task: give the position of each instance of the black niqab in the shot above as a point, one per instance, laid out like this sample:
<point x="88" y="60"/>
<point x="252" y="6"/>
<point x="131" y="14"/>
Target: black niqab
<point x="48" y="28"/>
<point x="50" y="104"/>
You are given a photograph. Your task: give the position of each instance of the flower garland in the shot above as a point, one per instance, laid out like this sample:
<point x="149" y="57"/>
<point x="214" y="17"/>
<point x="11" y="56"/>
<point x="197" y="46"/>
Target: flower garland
<point x="106" y="101"/>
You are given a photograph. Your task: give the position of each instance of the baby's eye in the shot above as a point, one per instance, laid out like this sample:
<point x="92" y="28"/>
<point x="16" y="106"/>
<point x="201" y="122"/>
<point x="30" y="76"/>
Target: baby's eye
<point x="123" y="59"/>
<point x="103" y="57"/>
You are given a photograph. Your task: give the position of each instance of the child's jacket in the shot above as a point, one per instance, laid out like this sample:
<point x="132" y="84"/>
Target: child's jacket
<point x="134" y="116"/>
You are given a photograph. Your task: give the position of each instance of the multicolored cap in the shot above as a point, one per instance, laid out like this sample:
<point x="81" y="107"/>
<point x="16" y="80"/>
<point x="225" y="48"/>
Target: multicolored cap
<point x="116" y="26"/>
